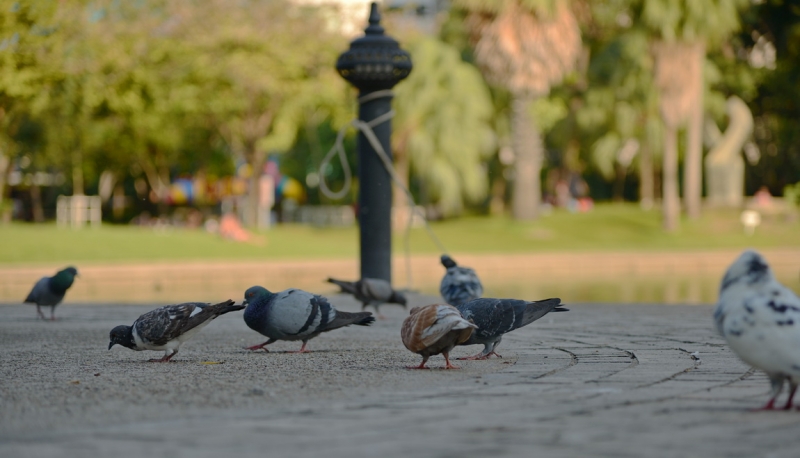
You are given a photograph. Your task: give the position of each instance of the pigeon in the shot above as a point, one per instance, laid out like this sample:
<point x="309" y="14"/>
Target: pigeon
<point x="459" y="284"/>
<point x="51" y="290"/>
<point x="371" y="291"/>
<point x="434" y="329"/>
<point x="166" y="328"/>
<point x="760" y="320"/>
<point x="294" y="314"/>
<point x="496" y="317"/>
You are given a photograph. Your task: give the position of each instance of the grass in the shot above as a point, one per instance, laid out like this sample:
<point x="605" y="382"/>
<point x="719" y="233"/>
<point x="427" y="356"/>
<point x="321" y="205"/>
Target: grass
<point x="607" y="227"/>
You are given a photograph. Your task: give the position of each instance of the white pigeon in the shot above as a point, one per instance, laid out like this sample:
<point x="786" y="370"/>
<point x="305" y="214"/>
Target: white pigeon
<point x="760" y="320"/>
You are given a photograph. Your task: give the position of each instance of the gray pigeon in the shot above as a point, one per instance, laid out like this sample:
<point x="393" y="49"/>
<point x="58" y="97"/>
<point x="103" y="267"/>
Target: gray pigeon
<point x="760" y="320"/>
<point x="371" y="291"/>
<point x="496" y="317"/>
<point x="294" y="314"/>
<point x="166" y="328"/>
<point x="51" y="290"/>
<point x="459" y="284"/>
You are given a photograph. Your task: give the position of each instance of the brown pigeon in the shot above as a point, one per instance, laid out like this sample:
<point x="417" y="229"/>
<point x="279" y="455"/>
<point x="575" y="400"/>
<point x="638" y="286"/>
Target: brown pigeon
<point x="434" y="329"/>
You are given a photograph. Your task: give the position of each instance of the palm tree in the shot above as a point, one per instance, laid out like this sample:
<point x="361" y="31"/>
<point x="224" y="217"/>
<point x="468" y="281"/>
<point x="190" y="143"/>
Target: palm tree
<point x="524" y="46"/>
<point x="442" y="130"/>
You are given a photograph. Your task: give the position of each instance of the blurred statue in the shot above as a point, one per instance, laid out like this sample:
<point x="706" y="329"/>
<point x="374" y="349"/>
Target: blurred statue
<point x="724" y="163"/>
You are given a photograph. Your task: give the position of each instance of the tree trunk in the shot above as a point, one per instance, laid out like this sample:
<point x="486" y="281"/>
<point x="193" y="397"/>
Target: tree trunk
<point x="528" y="147"/>
<point x="693" y="163"/>
<point x="77" y="173"/>
<point x="671" y="199"/>
<point x="646" y="177"/>
<point x="257" y="161"/>
<point x="36" y="203"/>
<point x="5" y="169"/>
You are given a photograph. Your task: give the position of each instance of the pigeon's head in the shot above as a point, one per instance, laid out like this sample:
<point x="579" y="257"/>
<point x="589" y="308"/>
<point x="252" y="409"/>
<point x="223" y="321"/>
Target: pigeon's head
<point x="447" y="261"/>
<point x="749" y="268"/>
<point x="69" y="271"/>
<point x="398" y="298"/>
<point x="253" y="293"/>
<point x="121" y="335"/>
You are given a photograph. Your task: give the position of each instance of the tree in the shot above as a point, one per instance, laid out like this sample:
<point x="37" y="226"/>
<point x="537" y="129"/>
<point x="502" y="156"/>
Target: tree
<point x="442" y="130"/>
<point x="682" y="30"/>
<point x="524" y="46"/>
<point x="25" y="32"/>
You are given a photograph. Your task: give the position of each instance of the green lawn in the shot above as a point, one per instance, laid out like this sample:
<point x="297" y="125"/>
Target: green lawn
<point x="607" y="227"/>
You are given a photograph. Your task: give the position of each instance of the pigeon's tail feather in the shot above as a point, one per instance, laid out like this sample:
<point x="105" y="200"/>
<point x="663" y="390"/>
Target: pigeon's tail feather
<point x="346" y="319"/>
<point x="347" y="286"/>
<point x="224" y="307"/>
<point x="535" y="310"/>
<point x="560" y="309"/>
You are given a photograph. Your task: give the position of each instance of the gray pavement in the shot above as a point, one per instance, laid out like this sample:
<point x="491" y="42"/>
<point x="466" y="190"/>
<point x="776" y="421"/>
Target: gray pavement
<point x="600" y="380"/>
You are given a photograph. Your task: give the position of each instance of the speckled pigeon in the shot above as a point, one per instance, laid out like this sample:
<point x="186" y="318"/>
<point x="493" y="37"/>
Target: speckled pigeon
<point x="496" y="317"/>
<point x="166" y="328"/>
<point x="294" y="314"/>
<point x="51" y="290"/>
<point x="435" y="329"/>
<point x="760" y="320"/>
<point x="371" y="291"/>
<point x="459" y="284"/>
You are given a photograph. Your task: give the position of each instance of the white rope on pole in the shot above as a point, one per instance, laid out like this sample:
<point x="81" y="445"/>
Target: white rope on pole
<point x="369" y="134"/>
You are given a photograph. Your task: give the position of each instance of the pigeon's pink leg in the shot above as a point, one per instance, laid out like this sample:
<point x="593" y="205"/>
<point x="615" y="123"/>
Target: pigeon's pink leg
<point x="52" y="314"/>
<point x="479" y="356"/>
<point x="259" y="347"/>
<point x="164" y="359"/>
<point x="768" y="406"/>
<point x="791" y="397"/>
<point x="302" y="349"/>
<point x="447" y="360"/>
<point x="39" y="311"/>
<point x="421" y="365"/>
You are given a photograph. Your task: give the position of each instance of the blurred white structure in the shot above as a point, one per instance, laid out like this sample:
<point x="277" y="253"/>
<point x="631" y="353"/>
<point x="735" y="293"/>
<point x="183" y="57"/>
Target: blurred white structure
<point x="75" y="211"/>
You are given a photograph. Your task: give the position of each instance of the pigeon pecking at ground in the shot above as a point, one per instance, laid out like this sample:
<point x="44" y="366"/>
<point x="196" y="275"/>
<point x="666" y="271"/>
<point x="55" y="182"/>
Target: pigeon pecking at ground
<point x="459" y="284"/>
<point x="166" y="328"/>
<point x="371" y="291"/>
<point x="760" y="320"/>
<point x="435" y="329"/>
<point x="51" y="290"/>
<point x="294" y="314"/>
<point x="496" y="317"/>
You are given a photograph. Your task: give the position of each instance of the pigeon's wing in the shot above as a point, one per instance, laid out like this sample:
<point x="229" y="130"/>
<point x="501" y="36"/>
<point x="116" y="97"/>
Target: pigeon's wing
<point x="459" y="285"/>
<point x="763" y="327"/>
<point x="494" y="317"/>
<point x="348" y="287"/>
<point x="299" y="313"/>
<point x="425" y="326"/>
<point x="376" y="289"/>
<point x="38" y="291"/>
<point x="532" y="311"/>
<point x="159" y="326"/>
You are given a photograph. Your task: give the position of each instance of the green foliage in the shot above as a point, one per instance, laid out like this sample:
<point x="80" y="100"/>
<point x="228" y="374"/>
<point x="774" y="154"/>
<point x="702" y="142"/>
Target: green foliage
<point x="692" y="20"/>
<point x="443" y="124"/>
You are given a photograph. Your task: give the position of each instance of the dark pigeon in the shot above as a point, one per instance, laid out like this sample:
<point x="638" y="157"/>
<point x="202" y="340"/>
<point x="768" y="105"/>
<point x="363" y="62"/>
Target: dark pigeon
<point x="371" y="291"/>
<point x="294" y="314"/>
<point x="459" y="284"/>
<point x="166" y="328"/>
<point x="496" y="317"/>
<point x="51" y="290"/>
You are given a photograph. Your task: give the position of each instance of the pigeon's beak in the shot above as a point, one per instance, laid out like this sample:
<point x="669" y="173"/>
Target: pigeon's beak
<point x="245" y="303"/>
<point x="110" y="344"/>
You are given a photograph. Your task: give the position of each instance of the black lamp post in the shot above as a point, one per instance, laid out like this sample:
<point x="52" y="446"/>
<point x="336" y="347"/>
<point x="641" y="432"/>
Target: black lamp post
<point x="374" y="64"/>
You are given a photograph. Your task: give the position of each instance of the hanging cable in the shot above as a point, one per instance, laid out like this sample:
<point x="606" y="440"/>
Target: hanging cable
<point x="369" y="134"/>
